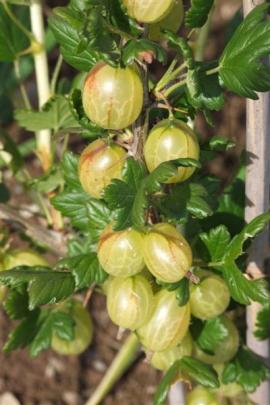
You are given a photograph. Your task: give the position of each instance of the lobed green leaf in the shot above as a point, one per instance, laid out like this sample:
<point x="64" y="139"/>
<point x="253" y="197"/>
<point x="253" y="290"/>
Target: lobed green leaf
<point x="197" y="15"/>
<point x="241" y="66"/>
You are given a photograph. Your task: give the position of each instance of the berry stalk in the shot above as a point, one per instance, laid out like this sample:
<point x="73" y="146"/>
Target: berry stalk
<point x="120" y="364"/>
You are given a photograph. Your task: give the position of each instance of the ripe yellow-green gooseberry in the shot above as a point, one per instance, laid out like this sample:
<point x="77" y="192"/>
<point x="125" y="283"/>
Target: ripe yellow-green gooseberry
<point x="226" y="349"/>
<point x="172" y="22"/>
<point x="83" y="333"/>
<point x="99" y="163"/>
<point x="130" y="301"/>
<point x="167" y="254"/>
<point x="170" y="140"/>
<point x="201" y="396"/>
<point x="148" y="11"/>
<point x="210" y="297"/>
<point x="112" y="97"/>
<point x="20" y="257"/>
<point x="23" y="257"/>
<point x="165" y="359"/>
<point x="120" y="253"/>
<point x="167" y="325"/>
<point x="231" y="390"/>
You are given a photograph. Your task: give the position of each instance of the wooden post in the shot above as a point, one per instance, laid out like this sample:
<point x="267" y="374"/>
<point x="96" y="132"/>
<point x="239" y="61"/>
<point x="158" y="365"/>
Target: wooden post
<point x="257" y="202"/>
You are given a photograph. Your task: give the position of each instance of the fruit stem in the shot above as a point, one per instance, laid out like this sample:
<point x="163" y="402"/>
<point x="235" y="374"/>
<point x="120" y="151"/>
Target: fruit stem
<point x="169" y="75"/>
<point x="43" y="137"/>
<point x="120" y="364"/>
<point x="56" y="73"/>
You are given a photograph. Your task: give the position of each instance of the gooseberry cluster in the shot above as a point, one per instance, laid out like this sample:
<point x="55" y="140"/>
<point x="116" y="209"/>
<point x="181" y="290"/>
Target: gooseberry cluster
<point x="140" y="262"/>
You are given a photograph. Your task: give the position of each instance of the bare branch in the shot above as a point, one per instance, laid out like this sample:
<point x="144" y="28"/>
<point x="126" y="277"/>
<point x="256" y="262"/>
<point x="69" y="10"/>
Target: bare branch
<point x="52" y="240"/>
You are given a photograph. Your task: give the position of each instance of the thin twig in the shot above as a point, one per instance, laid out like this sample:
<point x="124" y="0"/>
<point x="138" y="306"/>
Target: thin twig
<point x="89" y="294"/>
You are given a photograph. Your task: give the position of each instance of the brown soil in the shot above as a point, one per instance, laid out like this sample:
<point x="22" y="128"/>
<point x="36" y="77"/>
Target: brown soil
<point x="51" y="379"/>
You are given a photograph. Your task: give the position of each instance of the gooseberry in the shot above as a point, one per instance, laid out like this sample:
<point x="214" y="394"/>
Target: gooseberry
<point x="130" y="301"/>
<point x="226" y="349"/>
<point x="99" y="164"/>
<point x="209" y="298"/>
<point x="170" y="140"/>
<point x="23" y="257"/>
<point x="165" y="359"/>
<point x="148" y="11"/>
<point x="201" y="396"/>
<point x="171" y="22"/>
<point x="83" y="333"/>
<point x="120" y="253"/>
<point x="167" y="325"/>
<point x="166" y="253"/>
<point x="112" y="97"/>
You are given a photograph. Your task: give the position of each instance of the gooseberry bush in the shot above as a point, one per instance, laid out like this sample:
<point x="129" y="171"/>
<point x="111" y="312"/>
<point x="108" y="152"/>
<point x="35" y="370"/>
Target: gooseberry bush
<point x="139" y="218"/>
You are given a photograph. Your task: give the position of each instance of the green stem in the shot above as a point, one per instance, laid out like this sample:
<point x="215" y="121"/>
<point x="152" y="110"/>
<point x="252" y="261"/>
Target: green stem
<point x="202" y="38"/>
<point x="120" y="364"/>
<point x="183" y="82"/>
<point x="212" y="71"/>
<point x="21" y="85"/>
<point x="17" y="22"/>
<point x="56" y="73"/>
<point x="169" y="75"/>
<point x="174" y="87"/>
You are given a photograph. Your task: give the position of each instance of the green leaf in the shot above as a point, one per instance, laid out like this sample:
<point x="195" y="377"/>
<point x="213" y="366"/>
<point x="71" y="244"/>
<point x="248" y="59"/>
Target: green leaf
<point x="68" y="35"/>
<point x="44" y="286"/>
<point x="241" y="68"/>
<point x="181" y="289"/>
<point x="247" y="369"/>
<point x="152" y="184"/>
<point x="143" y="49"/>
<point x="165" y="384"/>
<point x="35" y="331"/>
<point x="69" y="167"/>
<point x="16" y="304"/>
<point x="182" y="292"/>
<point x="262" y="330"/>
<point x="85" y="269"/>
<point x="220" y="143"/>
<point x="187" y="198"/>
<point x="55" y="115"/>
<point x="49" y="181"/>
<point x="12" y="40"/>
<point x="53" y="321"/>
<point x="24" y="333"/>
<point x="200" y="372"/>
<point x="204" y="91"/>
<point x="197" y="15"/>
<point x="120" y="194"/>
<point x="85" y="212"/>
<point x="212" y="333"/>
<point x="235" y="249"/>
<point x="117" y="16"/>
<point x="243" y="290"/>
<point x="216" y="242"/>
